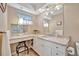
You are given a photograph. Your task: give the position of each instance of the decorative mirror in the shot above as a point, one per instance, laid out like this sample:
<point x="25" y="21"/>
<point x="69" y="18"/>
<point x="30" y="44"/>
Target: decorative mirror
<point x="53" y="18"/>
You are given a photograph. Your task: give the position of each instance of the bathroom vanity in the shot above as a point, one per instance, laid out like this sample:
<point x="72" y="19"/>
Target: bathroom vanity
<point x="50" y="46"/>
<point x="45" y="45"/>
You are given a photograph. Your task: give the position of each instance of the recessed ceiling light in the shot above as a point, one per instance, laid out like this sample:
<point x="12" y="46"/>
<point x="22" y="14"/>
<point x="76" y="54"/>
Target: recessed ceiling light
<point x="47" y="9"/>
<point x="51" y="12"/>
<point x="46" y="13"/>
<point x="41" y="10"/>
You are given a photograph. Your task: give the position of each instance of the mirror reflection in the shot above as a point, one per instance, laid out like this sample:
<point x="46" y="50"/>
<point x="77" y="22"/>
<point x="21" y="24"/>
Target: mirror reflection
<point x="53" y="19"/>
<point x="48" y="21"/>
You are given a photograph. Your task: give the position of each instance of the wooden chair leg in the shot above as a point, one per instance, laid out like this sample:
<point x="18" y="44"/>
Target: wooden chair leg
<point x="26" y="47"/>
<point x="27" y="50"/>
<point x="17" y="51"/>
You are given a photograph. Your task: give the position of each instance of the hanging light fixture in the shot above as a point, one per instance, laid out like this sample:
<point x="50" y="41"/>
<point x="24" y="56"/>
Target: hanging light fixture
<point x="3" y="7"/>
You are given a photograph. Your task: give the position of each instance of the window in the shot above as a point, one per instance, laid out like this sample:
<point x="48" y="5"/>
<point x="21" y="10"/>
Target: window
<point x="15" y="28"/>
<point x="25" y="20"/>
<point x="45" y="23"/>
<point x="22" y="25"/>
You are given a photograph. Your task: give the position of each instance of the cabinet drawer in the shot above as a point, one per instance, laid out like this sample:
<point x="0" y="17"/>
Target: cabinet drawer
<point x="56" y="46"/>
<point x="59" y="47"/>
<point x="58" y="53"/>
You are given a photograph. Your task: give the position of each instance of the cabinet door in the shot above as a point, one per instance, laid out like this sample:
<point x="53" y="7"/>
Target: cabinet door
<point x="46" y="50"/>
<point x="37" y="45"/>
<point x="57" y="53"/>
<point x="34" y="43"/>
<point x="58" y="50"/>
<point x="40" y="46"/>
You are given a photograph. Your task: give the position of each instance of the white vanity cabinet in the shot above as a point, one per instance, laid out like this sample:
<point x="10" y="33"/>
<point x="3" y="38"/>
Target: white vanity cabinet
<point x="58" y="50"/>
<point x="37" y="45"/>
<point x="44" y="49"/>
<point x="47" y="48"/>
<point x="41" y="48"/>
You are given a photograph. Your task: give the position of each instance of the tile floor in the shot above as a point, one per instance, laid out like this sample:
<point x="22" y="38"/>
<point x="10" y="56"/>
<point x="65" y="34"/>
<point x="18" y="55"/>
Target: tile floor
<point x="31" y="53"/>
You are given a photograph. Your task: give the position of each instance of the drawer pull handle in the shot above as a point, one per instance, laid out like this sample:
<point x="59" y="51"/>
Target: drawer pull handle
<point x="56" y="47"/>
<point x="56" y="53"/>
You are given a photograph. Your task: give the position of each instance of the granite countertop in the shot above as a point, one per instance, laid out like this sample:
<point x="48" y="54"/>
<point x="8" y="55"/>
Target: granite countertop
<point x="23" y="35"/>
<point x="20" y="36"/>
<point x="60" y="40"/>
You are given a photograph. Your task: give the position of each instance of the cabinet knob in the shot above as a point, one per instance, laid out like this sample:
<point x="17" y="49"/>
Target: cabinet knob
<point x="56" y="47"/>
<point x="56" y="53"/>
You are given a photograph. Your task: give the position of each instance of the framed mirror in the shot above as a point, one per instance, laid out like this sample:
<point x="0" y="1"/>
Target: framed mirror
<point x="23" y="22"/>
<point x="53" y="19"/>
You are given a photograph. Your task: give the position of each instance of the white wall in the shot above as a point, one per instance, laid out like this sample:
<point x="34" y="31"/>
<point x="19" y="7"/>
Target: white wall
<point x="6" y="45"/>
<point x="71" y="21"/>
<point x="3" y="21"/>
<point x="12" y="16"/>
<point x="3" y="28"/>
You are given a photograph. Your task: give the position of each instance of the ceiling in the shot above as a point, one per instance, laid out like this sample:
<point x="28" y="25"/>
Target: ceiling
<point x="32" y="6"/>
<point x="47" y="10"/>
<point x="38" y="8"/>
